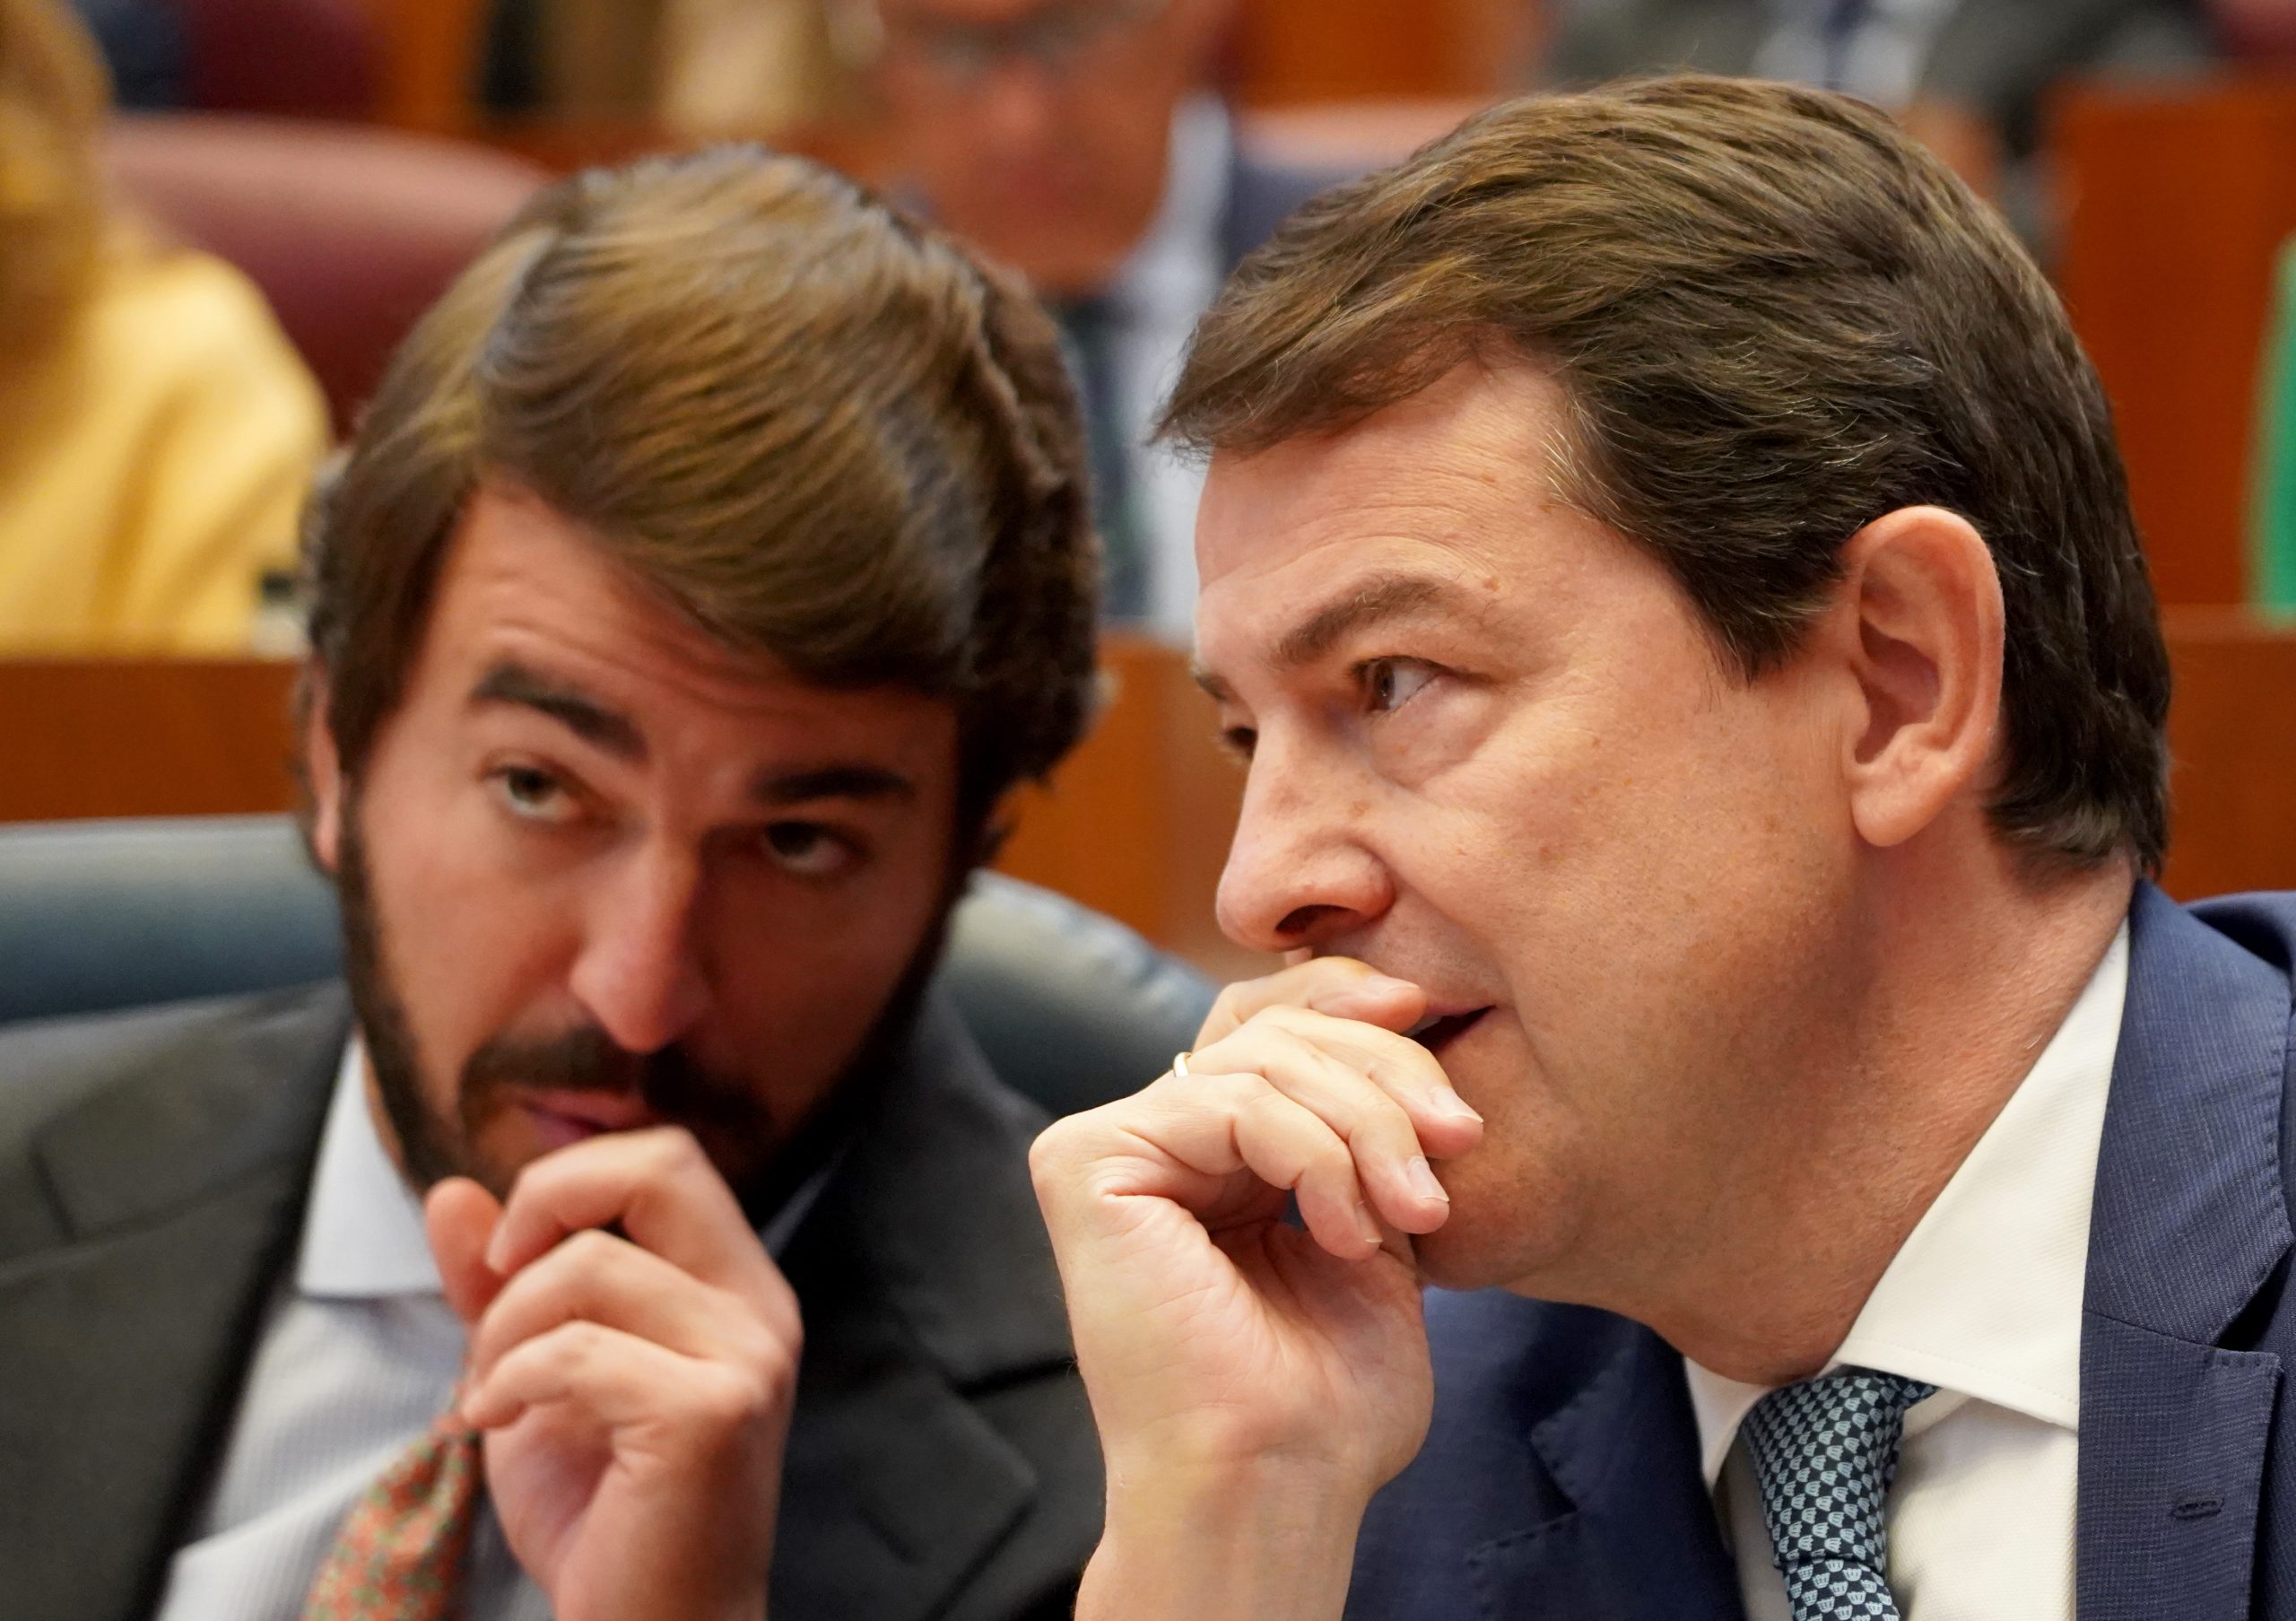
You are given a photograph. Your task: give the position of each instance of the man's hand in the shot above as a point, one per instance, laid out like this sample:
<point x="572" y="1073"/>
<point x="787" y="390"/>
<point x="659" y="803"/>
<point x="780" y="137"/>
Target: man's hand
<point x="635" y="1392"/>
<point x="1253" y="1383"/>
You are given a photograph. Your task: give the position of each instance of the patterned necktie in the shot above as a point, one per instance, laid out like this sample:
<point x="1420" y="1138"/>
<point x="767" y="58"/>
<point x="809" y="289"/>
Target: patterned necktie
<point x="399" y="1555"/>
<point x="1825" y="1451"/>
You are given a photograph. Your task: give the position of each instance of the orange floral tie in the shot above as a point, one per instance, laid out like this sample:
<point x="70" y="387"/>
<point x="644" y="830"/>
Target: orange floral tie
<point x="399" y="1555"/>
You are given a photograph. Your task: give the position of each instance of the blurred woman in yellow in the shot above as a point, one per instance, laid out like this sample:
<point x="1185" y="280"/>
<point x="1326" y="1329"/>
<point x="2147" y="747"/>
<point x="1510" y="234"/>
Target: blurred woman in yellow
<point x="156" y="432"/>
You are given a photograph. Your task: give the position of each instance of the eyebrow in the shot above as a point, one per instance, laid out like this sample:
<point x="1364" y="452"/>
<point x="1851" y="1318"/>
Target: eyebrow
<point x="512" y="683"/>
<point x="1383" y="597"/>
<point x="843" y="781"/>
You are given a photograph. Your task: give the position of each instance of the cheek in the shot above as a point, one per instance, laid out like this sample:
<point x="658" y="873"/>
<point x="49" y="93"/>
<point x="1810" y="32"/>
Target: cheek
<point x="474" y="945"/>
<point x="803" y="984"/>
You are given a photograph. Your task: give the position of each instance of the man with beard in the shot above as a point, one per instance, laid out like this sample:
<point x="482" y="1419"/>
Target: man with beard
<point x="713" y="558"/>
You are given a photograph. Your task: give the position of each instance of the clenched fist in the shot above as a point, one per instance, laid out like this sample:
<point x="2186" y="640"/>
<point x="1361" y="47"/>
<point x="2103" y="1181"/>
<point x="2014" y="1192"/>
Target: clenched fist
<point x="635" y="1387"/>
<point x="1255" y="1382"/>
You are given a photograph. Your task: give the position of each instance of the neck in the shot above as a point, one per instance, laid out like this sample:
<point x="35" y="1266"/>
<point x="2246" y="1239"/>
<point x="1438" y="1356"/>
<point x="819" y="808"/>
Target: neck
<point x="1957" y="1004"/>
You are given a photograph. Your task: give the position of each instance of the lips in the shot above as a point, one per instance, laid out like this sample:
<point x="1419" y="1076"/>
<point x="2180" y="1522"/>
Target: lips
<point x="1437" y="1031"/>
<point x="569" y="1117"/>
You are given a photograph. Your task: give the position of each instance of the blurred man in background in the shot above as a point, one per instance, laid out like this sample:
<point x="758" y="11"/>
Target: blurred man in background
<point x="657" y="717"/>
<point x="1081" y="143"/>
<point x="1966" y="77"/>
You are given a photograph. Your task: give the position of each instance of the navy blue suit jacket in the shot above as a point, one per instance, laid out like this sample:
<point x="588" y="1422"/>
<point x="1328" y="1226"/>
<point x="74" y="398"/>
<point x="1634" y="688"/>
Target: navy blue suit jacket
<point x="1561" y="1478"/>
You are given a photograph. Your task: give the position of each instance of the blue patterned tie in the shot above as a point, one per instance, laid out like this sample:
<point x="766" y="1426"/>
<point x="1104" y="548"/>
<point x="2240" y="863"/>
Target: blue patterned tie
<point x="1825" y="1451"/>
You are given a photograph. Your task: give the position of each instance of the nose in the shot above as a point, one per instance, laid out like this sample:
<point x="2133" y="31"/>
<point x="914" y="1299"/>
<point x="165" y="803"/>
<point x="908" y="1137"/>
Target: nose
<point x="638" y="972"/>
<point x="1299" y="872"/>
<point x="1013" y="109"/>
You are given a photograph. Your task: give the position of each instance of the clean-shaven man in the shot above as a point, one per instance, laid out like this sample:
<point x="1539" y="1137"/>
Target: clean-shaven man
<point x="1667" y="562"/>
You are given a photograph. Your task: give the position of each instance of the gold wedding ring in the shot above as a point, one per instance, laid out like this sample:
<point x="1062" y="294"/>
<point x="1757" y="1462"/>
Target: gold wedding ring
<point x="1179" y="1062"/>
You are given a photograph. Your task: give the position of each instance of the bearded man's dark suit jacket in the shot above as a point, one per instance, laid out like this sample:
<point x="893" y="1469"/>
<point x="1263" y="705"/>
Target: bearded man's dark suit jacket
<point x="153" y="1169"/>
<point x="1560" y="1479"/>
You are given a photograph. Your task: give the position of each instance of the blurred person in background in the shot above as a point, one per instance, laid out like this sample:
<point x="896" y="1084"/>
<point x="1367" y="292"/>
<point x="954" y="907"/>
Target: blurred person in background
<point x="156" y="431"/>
<point x="657" y="714"/>
<point x="1965" y="77"/>
<point x="1082" y="143"/>
<point x="2251" y="29"/>
<point x="701" y="70"/>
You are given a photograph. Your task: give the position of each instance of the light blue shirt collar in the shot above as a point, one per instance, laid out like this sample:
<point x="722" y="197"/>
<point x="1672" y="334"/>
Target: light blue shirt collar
<point x="362" y="1231"/>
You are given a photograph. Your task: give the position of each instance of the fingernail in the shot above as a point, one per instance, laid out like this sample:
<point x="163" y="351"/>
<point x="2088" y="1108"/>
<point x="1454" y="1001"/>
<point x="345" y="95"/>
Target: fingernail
<point x="1421" y="1177"/>
<point x="1451" y="1105"/>
<point x="1364" y="1224"/>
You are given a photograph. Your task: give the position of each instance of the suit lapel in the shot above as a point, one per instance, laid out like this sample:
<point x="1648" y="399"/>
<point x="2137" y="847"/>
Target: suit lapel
<point x="923" y="1275"/>
<point x="1639" y="1540"/>
<point x="2190" y="1221"/>
<point x="176" y="1191"/>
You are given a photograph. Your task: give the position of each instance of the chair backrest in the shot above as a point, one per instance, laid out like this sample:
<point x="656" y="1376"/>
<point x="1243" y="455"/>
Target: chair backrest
<point x="1071" y="1008"/>
<point x="349" y="232"/>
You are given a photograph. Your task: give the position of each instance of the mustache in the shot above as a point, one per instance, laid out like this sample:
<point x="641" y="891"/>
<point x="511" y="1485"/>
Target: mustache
<point x="670" y="1082"/>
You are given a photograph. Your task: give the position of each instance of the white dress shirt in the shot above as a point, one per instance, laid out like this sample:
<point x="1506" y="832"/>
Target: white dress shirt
<point x="1984" y="1302"/>
<point x="359" y="1353"/>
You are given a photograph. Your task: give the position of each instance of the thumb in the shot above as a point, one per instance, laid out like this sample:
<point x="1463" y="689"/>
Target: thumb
<point x="459" y="1216"/>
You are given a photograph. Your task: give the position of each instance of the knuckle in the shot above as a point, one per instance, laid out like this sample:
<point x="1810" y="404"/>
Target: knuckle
<point x="592" y="1250"/>
<point x="728" y="1398"/>
<point x="1235" y="1092"/>
<point x="669" y="1151"/>
<point x="1057" y="1150"/>
<point x="1227" y="1009"/>
<point x="757" y="1347"/>
<point x="578" y="1347"/>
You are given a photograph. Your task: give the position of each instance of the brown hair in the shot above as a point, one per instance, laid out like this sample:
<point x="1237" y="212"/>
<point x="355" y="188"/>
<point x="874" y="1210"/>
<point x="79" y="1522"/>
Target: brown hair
<point x="818" y="429"/>
<point x="54" y="95"/>
<point x="1775" y="318"/>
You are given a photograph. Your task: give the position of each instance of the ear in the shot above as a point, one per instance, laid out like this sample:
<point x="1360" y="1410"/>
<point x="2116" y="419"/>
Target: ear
<point x="322" y="769"/>
<point x="1925" y="597"/>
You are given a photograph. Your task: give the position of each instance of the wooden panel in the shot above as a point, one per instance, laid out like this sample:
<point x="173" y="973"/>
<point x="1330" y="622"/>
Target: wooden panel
<point x="2233" y="735"/>
<point x="1324" y="50"/>
<point x="430" y="57"/>
<point x="134" y="739"/>
<point x="2175" y="199"/>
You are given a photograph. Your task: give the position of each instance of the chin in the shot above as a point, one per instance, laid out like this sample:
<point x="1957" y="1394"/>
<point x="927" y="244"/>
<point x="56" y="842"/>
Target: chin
<point x="1492" y="1240"/>
<point x="1465" y="1254"/>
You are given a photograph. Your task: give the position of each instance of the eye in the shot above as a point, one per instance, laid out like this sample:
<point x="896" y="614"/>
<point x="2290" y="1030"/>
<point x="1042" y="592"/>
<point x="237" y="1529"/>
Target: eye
<point x="1389" y="684"/>
<point x="1239" y="741"/>
<point x="533" y="795"/>
<point x="810" y="850"/>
